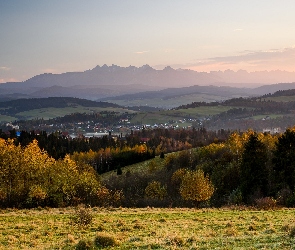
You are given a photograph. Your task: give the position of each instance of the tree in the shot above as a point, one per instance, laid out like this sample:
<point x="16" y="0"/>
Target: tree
<point x="195" y="186"/>
<point x="154" y="190"/>
<point x="253" y="170"/>
<point x="284" y="164"/>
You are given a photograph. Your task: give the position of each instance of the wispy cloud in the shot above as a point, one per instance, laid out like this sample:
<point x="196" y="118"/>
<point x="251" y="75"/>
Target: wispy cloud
<point x="236" y="30"/>
<point x="141" y="52"/>
<point x="4" y="68"/>
<point x="273" y="59"/>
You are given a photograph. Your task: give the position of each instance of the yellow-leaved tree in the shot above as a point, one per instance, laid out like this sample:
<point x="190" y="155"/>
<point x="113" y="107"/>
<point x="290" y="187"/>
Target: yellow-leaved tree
<point x="9" y="170"/>
<point x="195" y="186"/>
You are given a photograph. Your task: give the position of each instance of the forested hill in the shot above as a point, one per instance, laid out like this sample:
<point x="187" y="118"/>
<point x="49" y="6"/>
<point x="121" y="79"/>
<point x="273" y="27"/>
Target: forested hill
<point x="288" y="92"/>
<point x="51" y="102"/>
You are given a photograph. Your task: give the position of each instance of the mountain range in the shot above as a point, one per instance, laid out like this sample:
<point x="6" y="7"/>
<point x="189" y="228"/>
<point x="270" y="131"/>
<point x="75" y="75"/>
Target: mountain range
<point x="129" y="83"/>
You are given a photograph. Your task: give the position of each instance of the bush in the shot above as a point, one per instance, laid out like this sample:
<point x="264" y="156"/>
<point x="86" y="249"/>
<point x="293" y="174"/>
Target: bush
<point x="103" y="196"/>
<point x="292" y="232"/>
<point x="266" y="203"/>
<point x="235" y="197"/>
<point x="154" y="190"/>
<point x="83" y="216"/>
<point x="85" y="245"/>
<point x="105" y="240"/>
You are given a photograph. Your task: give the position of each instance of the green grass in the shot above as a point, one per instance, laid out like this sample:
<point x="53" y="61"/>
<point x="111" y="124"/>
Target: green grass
<point x="48" y="113"/>
<point x="176" y="115"/>
<point x="170" y="102"/>
<point x="150" y="228"/>
<point x="5" y="118"/>
<point x="141" y="168"/>
<point x="271" y="116"/>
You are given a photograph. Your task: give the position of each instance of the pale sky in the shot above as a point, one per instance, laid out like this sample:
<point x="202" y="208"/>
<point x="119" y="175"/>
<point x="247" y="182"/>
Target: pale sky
<point x="38" y="36"/>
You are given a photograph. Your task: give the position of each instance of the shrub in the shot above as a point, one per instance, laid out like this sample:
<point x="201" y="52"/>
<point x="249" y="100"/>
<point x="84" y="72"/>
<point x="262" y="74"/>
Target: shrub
<point x="85" y="245"/>
<point x="83" y="216"/>
<point x="105" y="240"/>
<point x="178" y="176"/>
<point x="103" y="196"/>
<point x="283" y="196"/>
<point x="266" y="203"/>
<point x="154" y="190"/>
<point x="235" y="197"/>
<point x="117" y="198"/>
<point x="292" y="232"/>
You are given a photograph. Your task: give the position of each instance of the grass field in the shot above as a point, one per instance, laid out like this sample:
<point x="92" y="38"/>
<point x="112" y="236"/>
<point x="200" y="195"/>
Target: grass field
<point x="48" y="113"/>
<point x="169" y="102"/>
<point x="150" y="228"/>
<point x="5" y="118"/>
<point x="273" y="116"/>
<point x="176" y="115"/>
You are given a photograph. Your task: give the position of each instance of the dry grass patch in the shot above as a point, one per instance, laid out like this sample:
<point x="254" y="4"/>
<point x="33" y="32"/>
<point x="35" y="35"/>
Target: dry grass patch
<point x="152" y="228"/>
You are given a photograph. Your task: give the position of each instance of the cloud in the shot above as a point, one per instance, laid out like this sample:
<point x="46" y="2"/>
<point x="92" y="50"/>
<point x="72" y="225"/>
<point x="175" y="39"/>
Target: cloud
<point x="235" y="30"/>
<point x="4" y="68"/>
<point x="273" y="59"/>
<point x="141" y="52"/>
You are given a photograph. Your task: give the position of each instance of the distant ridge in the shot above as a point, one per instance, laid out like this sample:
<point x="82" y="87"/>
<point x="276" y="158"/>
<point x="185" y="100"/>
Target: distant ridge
<point x="20" y="105"/>
<point x="109" y="81"/>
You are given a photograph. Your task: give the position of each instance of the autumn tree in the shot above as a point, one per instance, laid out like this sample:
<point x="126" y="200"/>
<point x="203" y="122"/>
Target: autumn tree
<point x="196" y="187"/>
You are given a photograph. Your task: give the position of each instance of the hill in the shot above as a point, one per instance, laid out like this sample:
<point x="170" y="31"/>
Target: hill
<point x="173" y="97"/>
<point x="49" y="107"/>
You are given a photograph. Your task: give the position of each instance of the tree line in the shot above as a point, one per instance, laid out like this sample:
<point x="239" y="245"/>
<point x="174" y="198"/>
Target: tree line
<point x="247" y="168"/>
<point x="242" y="169"/>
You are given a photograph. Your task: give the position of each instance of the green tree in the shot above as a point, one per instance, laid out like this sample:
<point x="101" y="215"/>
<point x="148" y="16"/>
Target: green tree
<point x="284" y="163"/>
<point x="155" y="190"/>
<point x="253" y="170"/>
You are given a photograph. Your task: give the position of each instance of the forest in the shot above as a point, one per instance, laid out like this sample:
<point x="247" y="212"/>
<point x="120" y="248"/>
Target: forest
<point x="178" y="168"/>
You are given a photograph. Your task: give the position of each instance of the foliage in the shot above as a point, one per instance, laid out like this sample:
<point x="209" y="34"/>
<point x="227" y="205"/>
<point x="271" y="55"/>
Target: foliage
<point x="154" y="190"/>
<point x="266" y="203"/>
<point x="254" y="175"/>
<point x="82" y="216"/>
<point x="105" y="240"/>
<point x="85" y="245"/>
<point x="235" y="197"/>
<point x="30" y="177"/>
<point x="196" y="186"/>
<point x="284" y="164"/>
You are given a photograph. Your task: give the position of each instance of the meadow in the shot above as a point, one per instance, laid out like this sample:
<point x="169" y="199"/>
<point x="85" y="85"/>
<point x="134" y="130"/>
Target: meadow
<point x="165" y="116"/>
<point x="49" y="113"/>
<point x="168" y="102"/>
<point x="148" y="228"/>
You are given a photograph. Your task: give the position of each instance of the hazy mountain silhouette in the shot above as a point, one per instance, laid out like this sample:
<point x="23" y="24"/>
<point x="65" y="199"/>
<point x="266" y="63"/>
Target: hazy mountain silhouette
<point x="109" y="81"/>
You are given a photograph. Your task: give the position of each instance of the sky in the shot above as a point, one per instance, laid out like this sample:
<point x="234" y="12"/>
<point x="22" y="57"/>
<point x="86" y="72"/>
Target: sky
<point x="56" y="36"/>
